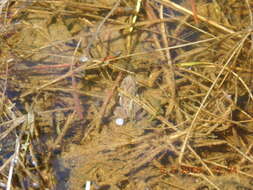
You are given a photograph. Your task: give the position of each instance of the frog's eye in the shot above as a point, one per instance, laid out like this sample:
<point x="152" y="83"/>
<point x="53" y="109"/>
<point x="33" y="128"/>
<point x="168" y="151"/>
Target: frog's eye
<point x="119" y="121"/>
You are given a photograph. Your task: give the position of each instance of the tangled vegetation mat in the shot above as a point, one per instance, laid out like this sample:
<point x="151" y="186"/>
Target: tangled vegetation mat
<point x="126" y="94"/>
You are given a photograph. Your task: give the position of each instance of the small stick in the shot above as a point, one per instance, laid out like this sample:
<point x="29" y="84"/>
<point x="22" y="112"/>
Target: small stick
<point x="94" y="36"/>
<point x="5" y="87"/>
<point x="39" y="67"/>
<point x="108" y="98"/>
<point x="78" y="107"/>
<point x="194" y="11"/>
<point x="13" y="163"/>
<point x="63" y="132"/>
<point x="201" y="161"/>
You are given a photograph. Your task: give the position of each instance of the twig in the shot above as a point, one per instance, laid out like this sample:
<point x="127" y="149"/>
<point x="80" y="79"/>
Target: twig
<point x="199" y="158"/>
<point x="152" y="16"/>
<point x="16" y="122"/>
<point x="5" y="164"/>
<point x="169" y="72"/>
<point x="193" y="6"/>
<point x="137" y="10"/>
<point x="245" y="156"/>
<point x="133" y="21"/>
<point x="94" y="36"/>
<point x="13" y="163"/>
<point x="246" y="153"/>
<point x="165" y="39"/>
<point x="4" y="87"/>
<point x="63" y="132"/>
<point x="78" y="107"/>
<point x="108" y="98"/>
<point x="60" y="136"/>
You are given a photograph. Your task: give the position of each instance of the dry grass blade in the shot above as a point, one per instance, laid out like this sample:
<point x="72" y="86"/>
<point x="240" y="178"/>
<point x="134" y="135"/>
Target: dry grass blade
<point x="98" y="30"/>
<point x="13" y="163"/>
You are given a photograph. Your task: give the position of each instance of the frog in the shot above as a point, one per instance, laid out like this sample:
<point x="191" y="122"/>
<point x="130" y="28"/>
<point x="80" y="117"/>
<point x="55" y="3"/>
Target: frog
<point x="127" y="108"/>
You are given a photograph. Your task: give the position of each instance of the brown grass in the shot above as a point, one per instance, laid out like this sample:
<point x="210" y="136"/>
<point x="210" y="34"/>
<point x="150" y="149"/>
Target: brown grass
<point x="189" y="116"/>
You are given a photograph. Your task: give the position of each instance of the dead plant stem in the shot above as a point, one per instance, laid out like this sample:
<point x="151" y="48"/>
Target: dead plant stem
<point x="201" y="161"/>
<point x="13" y="163"/>
<point x="63" y="132"/>
<point x="4" y="87"/>
<point x="95" y="35"/>
<point x="78" y="107"/>
<point x="152" y="16"/>
<point x="194" y="11"/>
<point x="108" y="98"/>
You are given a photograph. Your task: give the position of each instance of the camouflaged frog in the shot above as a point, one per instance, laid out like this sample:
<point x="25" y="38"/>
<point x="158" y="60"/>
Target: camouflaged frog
<point x="127" y="108"/>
